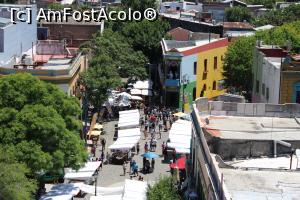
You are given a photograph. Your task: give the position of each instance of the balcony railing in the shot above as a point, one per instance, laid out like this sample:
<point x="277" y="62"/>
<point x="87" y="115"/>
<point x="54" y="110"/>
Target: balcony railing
<point x="45" y="72"/>
<point x="172" y="82"/>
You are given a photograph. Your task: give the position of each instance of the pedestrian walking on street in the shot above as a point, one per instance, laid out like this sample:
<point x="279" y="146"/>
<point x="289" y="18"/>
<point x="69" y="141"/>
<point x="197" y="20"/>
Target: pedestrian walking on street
<point x="163" y="146"/>
<point x="174" y="156"/>
<point x="137" y="148"/>
<point x="146" y="147"/>
<point x="145" y="134"/>
<point x="144" y="163"/>
<point x="124" y="168"/>
<point x="103" y="142"/>
<point x="135" y="170"/>
<point x="102" y="156"/>
<point x="152" y="163"/>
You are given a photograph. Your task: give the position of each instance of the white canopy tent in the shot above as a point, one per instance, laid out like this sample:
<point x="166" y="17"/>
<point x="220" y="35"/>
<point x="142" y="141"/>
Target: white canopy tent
<point x="135" y="91"/>
<point x="147" y="84"/>
<point x="80" y="176"/>
<point x="146" y="93"/>
<point x="129" y="132"/>
<point x="180" y="136"/>
<point x="135" y="190"/>
<point x="89" y="167"/>
<point x="133" y="124"/>
<point x="137" y="98"/>
<point x="106" y="197"/>
<point x="62" y="192"/>
<point x="129" y="119"/>
<point x="128" y="111"/>
<point x="182" y="150"/>
<point x="90" y="189"/>
<point x="178" y="145"/>
<point x="125" y="143"/>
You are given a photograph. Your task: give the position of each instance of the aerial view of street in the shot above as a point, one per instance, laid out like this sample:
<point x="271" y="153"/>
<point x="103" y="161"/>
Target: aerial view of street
<point x="149" y="99"/>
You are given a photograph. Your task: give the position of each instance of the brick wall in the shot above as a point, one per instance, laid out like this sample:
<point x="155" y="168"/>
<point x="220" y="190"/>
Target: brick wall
<point x="74" y="34"/>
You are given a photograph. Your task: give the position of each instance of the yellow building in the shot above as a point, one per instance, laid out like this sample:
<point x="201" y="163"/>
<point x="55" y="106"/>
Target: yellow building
<point x="210" y="68"/>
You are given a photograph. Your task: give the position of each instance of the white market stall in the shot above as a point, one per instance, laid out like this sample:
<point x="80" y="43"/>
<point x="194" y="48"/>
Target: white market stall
<point x="90" y="189"/>
<point x="125" y="143"/>
<point x="129" y="119"/>
<point x="129" y="132"/>
<point x="135" y="91"/>
<point x="89" y="167"/>
<point x="135" y="190"/>
<point x="143" y="85"/>
<point x="62" y="192"/>
<point x="180" y="136"/>
<point x="132" y="190"/>
<point x="106" y="197"/>
<point x="79" y="176"/>
<point x="84" y="173"/>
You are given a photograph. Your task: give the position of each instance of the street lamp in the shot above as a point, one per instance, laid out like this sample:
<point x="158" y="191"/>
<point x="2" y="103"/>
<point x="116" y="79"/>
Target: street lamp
<point x="96" y="177"/>
<point x="184" y="81"/>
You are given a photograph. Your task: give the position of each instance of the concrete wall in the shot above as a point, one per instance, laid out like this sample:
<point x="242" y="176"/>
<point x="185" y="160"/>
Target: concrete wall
<point x="228" y="149"/>
<point x="247" y="109"/>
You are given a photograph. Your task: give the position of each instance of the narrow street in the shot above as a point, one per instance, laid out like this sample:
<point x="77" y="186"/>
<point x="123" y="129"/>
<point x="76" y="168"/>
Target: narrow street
<point x="112" y="175"/>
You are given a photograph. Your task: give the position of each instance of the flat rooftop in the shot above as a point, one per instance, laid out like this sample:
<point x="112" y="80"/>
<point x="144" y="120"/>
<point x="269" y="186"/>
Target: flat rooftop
<point x="265" y="163"/>
<point x="252" y="128"/>
<point x="261" y="185"/>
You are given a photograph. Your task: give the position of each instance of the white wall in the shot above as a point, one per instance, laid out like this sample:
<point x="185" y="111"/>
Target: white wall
<point x="271" y="79"/>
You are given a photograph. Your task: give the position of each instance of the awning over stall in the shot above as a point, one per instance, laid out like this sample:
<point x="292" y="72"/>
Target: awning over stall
<point x="180" y="136"/>
<point x="62" y="192"/>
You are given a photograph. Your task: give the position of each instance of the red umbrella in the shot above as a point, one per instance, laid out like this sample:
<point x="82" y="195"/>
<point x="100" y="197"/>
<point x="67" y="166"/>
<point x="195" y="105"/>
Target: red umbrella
<point x="180" y="163"/>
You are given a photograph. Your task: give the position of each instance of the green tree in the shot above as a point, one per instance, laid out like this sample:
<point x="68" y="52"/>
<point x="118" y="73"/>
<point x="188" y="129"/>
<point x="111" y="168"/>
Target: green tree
<point x="237" y="14"/>
<point x="13" y="182"/>
<point x="238" y="65"/>
<point x="56" y="6"/>
<point x="279" y="17"/>
<point x="101" y="76"/>
<point x="162" y="189"/>
<point x="39" y="124"/>
<point x="129" y="63"/>
<point x="140" y="5"/>
<point x="145" y="36"/>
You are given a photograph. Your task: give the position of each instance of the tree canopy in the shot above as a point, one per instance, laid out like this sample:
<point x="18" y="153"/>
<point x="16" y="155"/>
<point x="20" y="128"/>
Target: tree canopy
<point x="39" y="124"/>
<point x="129" y="63"/>
<point x="279" y="17"/>
<point x="145" y="36"/>
<point x="140" y="5"/>
<point x="238" y="14"/>
<point x="162" y="189"/>
<point x="101" y="76"/>
<point x="238" y="64"/>
<point x="14" y="183"/>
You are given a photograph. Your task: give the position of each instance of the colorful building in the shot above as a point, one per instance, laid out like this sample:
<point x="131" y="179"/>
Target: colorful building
<point x="276" y="75"/>
<point x="51" y="61"/>
<point x="192" y="69"/>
